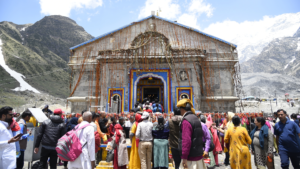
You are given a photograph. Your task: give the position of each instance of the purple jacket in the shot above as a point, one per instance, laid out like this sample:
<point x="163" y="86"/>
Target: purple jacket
<point x="187" y="132"/>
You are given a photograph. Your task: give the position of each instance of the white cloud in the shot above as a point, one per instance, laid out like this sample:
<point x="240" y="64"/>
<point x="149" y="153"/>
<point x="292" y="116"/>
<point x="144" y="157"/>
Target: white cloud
<point x="64" y="7"/>
<point x="252" y="36"/>
<point x="198" y="7"/>
<point x="189" y="20"/>
<point x="169" y="9"/>
<point x="131" y="11"/>
<point x="88" y="19"/>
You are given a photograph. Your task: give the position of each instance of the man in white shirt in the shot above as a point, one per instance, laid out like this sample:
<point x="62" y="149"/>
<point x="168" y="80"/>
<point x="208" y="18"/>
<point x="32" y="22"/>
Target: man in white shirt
<point x="144" y="133"/>
<point x="7" y="146"/>
<point x="86" y="160"/>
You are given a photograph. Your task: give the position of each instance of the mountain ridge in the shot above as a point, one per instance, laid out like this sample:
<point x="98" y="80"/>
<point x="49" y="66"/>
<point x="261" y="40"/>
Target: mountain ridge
<point x="40" y="52"/>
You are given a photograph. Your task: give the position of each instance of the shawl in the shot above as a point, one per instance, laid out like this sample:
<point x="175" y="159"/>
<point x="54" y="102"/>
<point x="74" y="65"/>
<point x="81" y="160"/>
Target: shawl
<point x="262" y="134"/>
<point x="209" y="121"/>
<point x="118" y="127"/>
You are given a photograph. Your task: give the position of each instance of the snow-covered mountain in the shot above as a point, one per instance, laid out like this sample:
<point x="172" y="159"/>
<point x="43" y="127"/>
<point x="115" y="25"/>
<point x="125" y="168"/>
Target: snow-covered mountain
<point x="277" y="67"/>
<point x="281" y="55"/>
<point x="252" y="36"/>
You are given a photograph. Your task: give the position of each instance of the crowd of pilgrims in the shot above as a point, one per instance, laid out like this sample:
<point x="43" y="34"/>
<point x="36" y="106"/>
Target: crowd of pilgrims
<point x="159" y="138"/>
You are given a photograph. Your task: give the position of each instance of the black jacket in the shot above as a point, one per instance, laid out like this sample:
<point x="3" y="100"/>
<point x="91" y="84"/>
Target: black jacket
<point x="197" y="141"/>
<point x="50" y="131"/>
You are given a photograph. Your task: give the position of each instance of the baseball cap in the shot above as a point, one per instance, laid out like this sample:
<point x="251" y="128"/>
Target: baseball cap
<point x="145" y="115"/>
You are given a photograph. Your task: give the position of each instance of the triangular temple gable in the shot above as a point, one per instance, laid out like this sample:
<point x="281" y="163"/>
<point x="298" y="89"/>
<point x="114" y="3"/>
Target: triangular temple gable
<point x="179" y="36"/>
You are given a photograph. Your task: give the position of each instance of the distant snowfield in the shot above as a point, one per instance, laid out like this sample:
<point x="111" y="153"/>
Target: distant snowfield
<point x="19" y="77"/>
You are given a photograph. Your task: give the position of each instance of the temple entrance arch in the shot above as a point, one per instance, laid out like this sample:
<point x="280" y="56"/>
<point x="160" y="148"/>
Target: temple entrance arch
<point x="160" y="75"/>
<point x="151" y="88"/>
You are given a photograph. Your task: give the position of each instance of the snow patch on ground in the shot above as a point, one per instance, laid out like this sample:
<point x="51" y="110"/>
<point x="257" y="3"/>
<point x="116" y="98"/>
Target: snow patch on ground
<point x="18" y="76"/>
<point x="23" y="29"/>
<point x="294" y="58"/>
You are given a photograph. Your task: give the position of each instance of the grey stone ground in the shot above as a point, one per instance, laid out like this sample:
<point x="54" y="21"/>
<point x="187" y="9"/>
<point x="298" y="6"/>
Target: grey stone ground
<point x="221" y="160"/>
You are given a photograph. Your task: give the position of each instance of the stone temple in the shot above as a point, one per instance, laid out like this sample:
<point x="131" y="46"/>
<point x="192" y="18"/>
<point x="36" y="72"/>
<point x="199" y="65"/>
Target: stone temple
<point x="158" y="59"/>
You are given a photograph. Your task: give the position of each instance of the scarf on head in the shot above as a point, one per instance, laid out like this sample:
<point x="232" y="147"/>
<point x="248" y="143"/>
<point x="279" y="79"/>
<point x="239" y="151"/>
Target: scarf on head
<point x="263" y="133"/>
<point x="72" y="123"/>
<point x="209" y="121"/>
<point x="229" y="123"/>
<point x="183" y="102"/>
<point x="118" y="127"/>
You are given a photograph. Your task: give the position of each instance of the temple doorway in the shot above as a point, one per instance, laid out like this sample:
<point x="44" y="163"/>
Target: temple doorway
<point x="116" y="104"/>
<point x="151" y="88"/>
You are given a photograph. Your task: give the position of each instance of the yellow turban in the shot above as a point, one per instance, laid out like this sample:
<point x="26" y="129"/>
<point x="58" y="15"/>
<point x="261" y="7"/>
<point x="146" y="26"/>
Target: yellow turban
<point x="183" y="102"/>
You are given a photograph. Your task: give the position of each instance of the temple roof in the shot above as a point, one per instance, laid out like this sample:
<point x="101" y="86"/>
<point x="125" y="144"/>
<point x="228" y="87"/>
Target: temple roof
<point x="101" y="36"/>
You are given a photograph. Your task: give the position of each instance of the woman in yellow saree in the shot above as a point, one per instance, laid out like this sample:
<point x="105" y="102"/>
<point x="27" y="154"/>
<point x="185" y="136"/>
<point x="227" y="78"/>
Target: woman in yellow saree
<point x="237" y="137"/>
<point x="134" y="161"/>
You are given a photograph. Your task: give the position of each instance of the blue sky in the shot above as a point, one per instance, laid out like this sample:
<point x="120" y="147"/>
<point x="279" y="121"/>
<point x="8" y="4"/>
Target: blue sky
<point x="100" y="16"/>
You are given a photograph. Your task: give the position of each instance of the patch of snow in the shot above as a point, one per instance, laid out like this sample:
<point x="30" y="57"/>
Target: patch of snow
<point x="298" y="45"/>
<point x="18" y="76"/>
<point x="293" y="59"/>
<point x="23" y="29"/>
<point x="286" y="66"/>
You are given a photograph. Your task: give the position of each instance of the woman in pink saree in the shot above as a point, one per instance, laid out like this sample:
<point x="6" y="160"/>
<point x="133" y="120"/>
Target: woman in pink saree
<point x="212" y="127"/>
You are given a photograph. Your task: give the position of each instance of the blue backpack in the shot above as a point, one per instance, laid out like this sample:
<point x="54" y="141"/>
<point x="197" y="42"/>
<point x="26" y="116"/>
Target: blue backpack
<point x="157" y="107"/>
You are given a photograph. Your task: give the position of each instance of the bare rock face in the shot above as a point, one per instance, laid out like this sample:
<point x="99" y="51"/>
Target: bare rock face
<point x="277" y="67"/>
<point x="40" y="52"/>
<point x="281" y="56"/>
<point x="55" y="33"/>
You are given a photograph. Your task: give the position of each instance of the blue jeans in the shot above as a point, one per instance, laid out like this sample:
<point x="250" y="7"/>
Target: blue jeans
<point x="285" y="156"/>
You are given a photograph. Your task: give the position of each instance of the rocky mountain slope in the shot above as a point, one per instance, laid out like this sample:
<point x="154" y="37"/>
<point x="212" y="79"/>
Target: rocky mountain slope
<point x="277" y="67"/>
<point x="266" y="84"/>
<point x="252" y="37"/>
<point x="39" y="52"/>
<point x="281" y="55"/>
